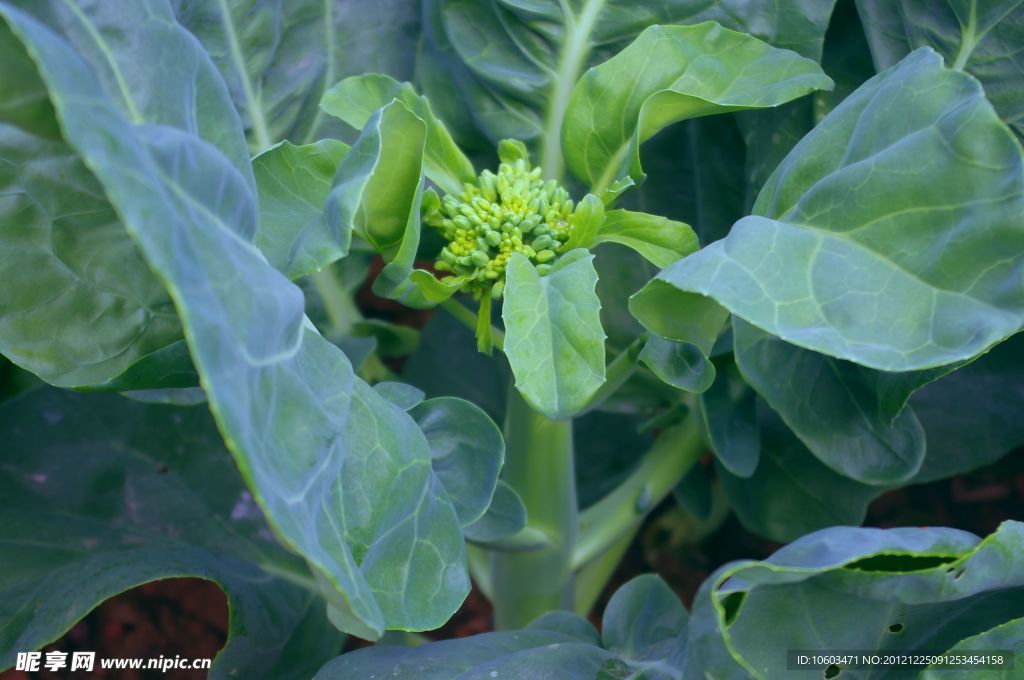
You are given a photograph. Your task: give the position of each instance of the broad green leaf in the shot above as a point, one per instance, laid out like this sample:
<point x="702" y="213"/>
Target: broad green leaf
<point x="729" y="411"/>
<point x="354" y="100"/>
<point x="621" y="272"/>
<point x="669" y="74"/>
<point x="278" y="58"/>
<point x="102" y="494"/>
<point x="661" y="241"/>
<point x="67" y="257"/>
<point x="680" y="364"/>
<point x="466" y="450"/>
<point x="298" y="422"/>
<point x="515" y="63"/>
<point x="853" y="216"/>
<point x="293" y="183"/>
<point x="644" y="637"/>
<point x="838" y="409"/>
<point x="505" y="517"/>
<point x="980" y="38"/>
<point x="790" y="492"/>
<point x="553" y="336"/>
<point x="60" y="231"/>
<point x="907" y="590"/>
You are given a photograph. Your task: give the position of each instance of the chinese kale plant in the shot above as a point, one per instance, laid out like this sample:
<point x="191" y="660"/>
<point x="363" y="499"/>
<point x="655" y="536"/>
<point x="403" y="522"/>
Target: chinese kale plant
<point x="790" y="234"/>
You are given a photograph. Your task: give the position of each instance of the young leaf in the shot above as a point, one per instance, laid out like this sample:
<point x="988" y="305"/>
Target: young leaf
<point x="975" y="37"/>
<point x="505" y="517"/>
<point x="102" y="494"/>
<point x="643" y="615"/>
<point x="354" y="100"/>
<point x="553" y="336"/>
<point x="293" y="183"/>
<point x="661" y="241"/>
<point x="669" y="74"/>
<point x="680" y="364"/>
<point x="466" y="450"/>
<point x="292" y="412"/>
<point x="855" y="218"/>
<point x="278" y="58"/>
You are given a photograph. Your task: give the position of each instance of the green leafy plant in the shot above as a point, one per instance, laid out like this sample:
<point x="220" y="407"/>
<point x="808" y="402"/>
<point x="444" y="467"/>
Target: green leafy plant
<point x="787" y="234"/>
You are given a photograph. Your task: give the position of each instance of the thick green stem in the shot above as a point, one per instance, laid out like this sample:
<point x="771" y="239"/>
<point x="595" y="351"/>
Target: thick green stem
<point x="603" y="524"/>
<point x="539" y="466"/>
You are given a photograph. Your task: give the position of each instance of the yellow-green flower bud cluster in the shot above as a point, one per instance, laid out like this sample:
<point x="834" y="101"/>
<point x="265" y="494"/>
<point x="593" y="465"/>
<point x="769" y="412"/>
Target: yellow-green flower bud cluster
<point x="514" y="211"/>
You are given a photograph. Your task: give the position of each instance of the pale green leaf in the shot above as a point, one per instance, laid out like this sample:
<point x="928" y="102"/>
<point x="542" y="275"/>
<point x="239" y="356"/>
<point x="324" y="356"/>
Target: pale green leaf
<point x="354" y="100"/>
<point x="293" y="183"/>
<point x="669" y="74"/>
<point x="661" y="241"/>
<point x="553" y="336"/>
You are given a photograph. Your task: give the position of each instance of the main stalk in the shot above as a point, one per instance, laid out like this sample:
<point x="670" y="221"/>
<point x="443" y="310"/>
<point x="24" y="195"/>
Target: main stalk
<point x="539" y="466"/>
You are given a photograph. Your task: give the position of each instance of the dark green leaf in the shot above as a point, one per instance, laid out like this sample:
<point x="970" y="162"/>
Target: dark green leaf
<point x="515" y="63"/>
<point x="505" y="517"/>
<point x="278" y="58"/>
<point x="645" y="640"/>
<point x="790" y="492"/>
<point x="981" y="38"/>
<point x="850" y="417"/>
<point x="729" y="410"/>
<point x="974" y="416"/>
<point x="102" y="494"/>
